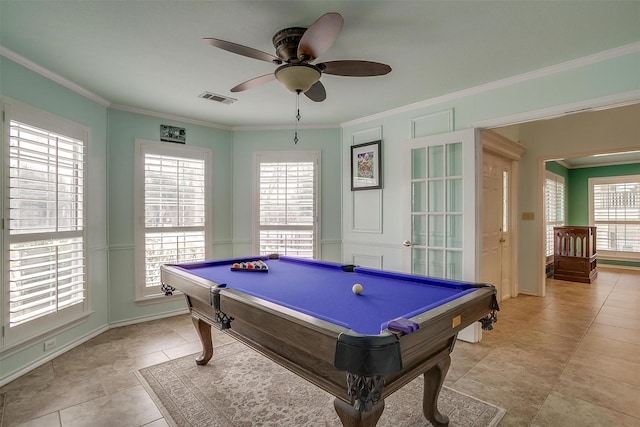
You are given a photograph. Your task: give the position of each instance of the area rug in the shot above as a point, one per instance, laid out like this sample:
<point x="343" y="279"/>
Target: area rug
<point x="241" y="388"/>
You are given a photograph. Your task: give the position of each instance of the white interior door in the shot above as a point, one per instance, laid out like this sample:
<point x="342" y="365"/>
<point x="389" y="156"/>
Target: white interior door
<point x="496" y="228"/>
<point x="441" y="210"/>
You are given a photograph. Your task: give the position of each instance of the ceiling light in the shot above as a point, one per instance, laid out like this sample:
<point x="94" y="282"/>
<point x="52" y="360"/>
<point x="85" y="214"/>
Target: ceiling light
<point x="297" y="77"/>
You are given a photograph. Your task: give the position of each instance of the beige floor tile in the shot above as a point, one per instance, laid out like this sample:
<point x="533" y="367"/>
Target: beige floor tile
<point x="561" y="410"/>
<point x="130" y="408"/>
<point x="608" y="365"/>
<point x="561" y="344"/>
<point x="50" y="420"/>
<point x="157" y="423"/>
<point x="621" y="322"/>
<point x="599" y="390"/>
<point x="619" y="349"/>
<point x="621" y="303"/>
<point x="183" y="350"/>
<point x="41" y="399"/>
<point x="627" y="313"/>
<point x="614" y="333"/>
<point x="515" y="379"/>
<point x="520" y="410"/>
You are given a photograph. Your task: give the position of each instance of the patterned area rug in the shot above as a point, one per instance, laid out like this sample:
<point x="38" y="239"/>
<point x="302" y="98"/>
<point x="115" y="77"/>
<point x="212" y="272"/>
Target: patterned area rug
<point x="241" y="388"/>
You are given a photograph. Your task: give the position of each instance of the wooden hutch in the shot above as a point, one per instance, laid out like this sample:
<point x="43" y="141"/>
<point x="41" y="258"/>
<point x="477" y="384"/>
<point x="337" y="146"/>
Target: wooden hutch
<point x="574" y="254"/>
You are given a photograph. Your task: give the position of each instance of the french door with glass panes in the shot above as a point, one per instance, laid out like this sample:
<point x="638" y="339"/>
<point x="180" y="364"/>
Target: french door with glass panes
<point x="441" y="210"/>
<point x="441" y="206"/>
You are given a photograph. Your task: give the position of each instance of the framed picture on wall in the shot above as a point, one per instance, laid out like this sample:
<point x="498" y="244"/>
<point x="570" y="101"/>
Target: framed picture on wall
<point x="173" y="134"/>
<point x="366" y="166"/>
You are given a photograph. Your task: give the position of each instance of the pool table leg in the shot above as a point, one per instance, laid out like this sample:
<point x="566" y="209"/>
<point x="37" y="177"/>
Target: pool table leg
<point x="204" y="332"/>
<point x="433" y="380"/>
<point x="351" y="417"/>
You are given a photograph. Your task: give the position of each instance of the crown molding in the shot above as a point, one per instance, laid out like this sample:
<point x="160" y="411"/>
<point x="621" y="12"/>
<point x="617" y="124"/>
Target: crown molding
<point x="594" y="104"/>
<point x="284" y="127"/>
<point x="168" y="117"/>
<point x="520" y="78"/>
<point x="27" y="63"/>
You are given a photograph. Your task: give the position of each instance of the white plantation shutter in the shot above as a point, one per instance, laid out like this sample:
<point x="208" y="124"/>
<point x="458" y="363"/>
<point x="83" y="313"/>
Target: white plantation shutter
<point x="287" y="204"/>
<point x="615" y="211"/>
<point x="174" y="205"/>
<point x="554" y="207"/>
<point x="46" y="223"/>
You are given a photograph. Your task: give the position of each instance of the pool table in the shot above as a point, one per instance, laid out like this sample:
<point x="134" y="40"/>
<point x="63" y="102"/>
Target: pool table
<point x="304" y="315"/>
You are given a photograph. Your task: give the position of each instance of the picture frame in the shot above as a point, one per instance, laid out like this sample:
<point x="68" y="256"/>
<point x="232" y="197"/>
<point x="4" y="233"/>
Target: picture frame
<point x="366" y="166"/>
<point x="173" y="134"/>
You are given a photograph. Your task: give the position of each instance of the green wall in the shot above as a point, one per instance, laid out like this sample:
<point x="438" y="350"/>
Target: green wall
<point x="558" y="169"/>
<point x="578" y="193"/>
<point x="578" y="188"/>
<point x="124" y="128"/>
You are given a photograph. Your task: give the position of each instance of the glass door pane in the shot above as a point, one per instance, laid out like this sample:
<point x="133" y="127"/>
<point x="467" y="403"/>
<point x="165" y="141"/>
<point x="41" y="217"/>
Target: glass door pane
<point x="437" y="169"/>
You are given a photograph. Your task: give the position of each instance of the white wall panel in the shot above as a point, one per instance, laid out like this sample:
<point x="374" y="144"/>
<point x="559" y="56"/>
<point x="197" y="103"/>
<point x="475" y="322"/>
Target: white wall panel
<point x="432" y="124"/>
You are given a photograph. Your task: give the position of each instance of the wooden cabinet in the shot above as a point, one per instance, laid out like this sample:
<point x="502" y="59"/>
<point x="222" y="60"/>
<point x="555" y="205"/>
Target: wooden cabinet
<point x="574" y="254"/>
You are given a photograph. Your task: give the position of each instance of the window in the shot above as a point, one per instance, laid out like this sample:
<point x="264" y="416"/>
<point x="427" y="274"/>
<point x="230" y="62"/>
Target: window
<point x="554" y="208"/>
<point x="614" y="209"/>
<point x="287" y="203"/>
<point x="173" y="207"/>
<point x="45" y="204"/>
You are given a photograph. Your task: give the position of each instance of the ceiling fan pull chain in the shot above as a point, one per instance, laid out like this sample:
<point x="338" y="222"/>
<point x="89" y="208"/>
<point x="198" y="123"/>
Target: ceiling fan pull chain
<point x="295" y="138"/>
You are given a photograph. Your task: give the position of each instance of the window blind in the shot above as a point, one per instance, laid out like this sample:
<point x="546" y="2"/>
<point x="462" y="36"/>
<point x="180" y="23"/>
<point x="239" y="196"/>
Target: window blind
<point x="287" y="208"/>
<point x="46" y="222"/>
<point x="174" y="212"/>
<point x="554" y="207"/>
<point x="616" y="215"/>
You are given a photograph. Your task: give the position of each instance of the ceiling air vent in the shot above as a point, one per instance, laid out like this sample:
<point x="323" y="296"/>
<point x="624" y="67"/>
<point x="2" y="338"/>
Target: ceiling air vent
<point x="218" y="98"/>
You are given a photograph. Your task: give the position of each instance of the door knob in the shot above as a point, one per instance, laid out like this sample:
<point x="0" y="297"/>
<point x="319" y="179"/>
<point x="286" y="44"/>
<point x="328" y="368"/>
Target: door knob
<point x="502" y="240"/>
<point x="406" y="243"/>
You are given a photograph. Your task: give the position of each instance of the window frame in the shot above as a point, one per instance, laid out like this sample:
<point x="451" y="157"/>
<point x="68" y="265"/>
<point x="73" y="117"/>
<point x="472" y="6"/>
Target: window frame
<point x="288" y="156"/>
<point x="34" y="329"/>
<point x="620" y="179"/>
<point x="142" y="147"/>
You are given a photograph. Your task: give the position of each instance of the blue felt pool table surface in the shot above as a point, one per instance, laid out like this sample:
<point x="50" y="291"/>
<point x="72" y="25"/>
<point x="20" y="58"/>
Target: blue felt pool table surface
<point x="324" y="290"/>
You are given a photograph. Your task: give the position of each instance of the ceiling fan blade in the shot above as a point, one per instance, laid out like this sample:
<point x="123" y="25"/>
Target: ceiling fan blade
<point x="257" y="81"/>
<point x="316" y="92"/>
<point x="354" y="68"/>
<point x="320" y="36"/>
<point x="242" y="50"/>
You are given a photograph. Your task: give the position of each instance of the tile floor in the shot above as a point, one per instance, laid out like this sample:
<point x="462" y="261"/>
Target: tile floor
<point x="571" y="358"/>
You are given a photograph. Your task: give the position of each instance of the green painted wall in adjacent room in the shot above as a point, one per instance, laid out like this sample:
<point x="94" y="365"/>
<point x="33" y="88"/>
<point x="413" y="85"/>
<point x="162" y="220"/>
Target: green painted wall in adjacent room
<point x="578" y="193"/>
<point x="578" y="188"/>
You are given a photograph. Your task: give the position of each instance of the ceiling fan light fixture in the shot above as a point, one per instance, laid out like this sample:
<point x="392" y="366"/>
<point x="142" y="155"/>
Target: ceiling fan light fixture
<point x="297" y="77"/>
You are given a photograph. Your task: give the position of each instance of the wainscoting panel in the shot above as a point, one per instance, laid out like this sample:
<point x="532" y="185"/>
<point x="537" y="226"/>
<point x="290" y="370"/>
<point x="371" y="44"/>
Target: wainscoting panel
<point x="366" y="135"/>
<point x="367" y="211"/>
<point x="432" y="124"/>
<point x="370" y="261"/>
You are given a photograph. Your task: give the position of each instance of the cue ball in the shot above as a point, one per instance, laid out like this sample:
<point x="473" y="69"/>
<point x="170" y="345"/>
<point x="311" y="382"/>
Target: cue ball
<point x="357" y="289"/>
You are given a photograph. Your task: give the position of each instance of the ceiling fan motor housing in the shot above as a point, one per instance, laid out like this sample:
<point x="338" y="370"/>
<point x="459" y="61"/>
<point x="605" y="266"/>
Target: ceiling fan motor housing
<point x="286" y="43"/>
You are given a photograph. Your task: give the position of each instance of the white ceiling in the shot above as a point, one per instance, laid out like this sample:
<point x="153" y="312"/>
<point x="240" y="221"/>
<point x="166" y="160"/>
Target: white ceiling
<point x="149" y="55"/>
<point x="602" y="160"/>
